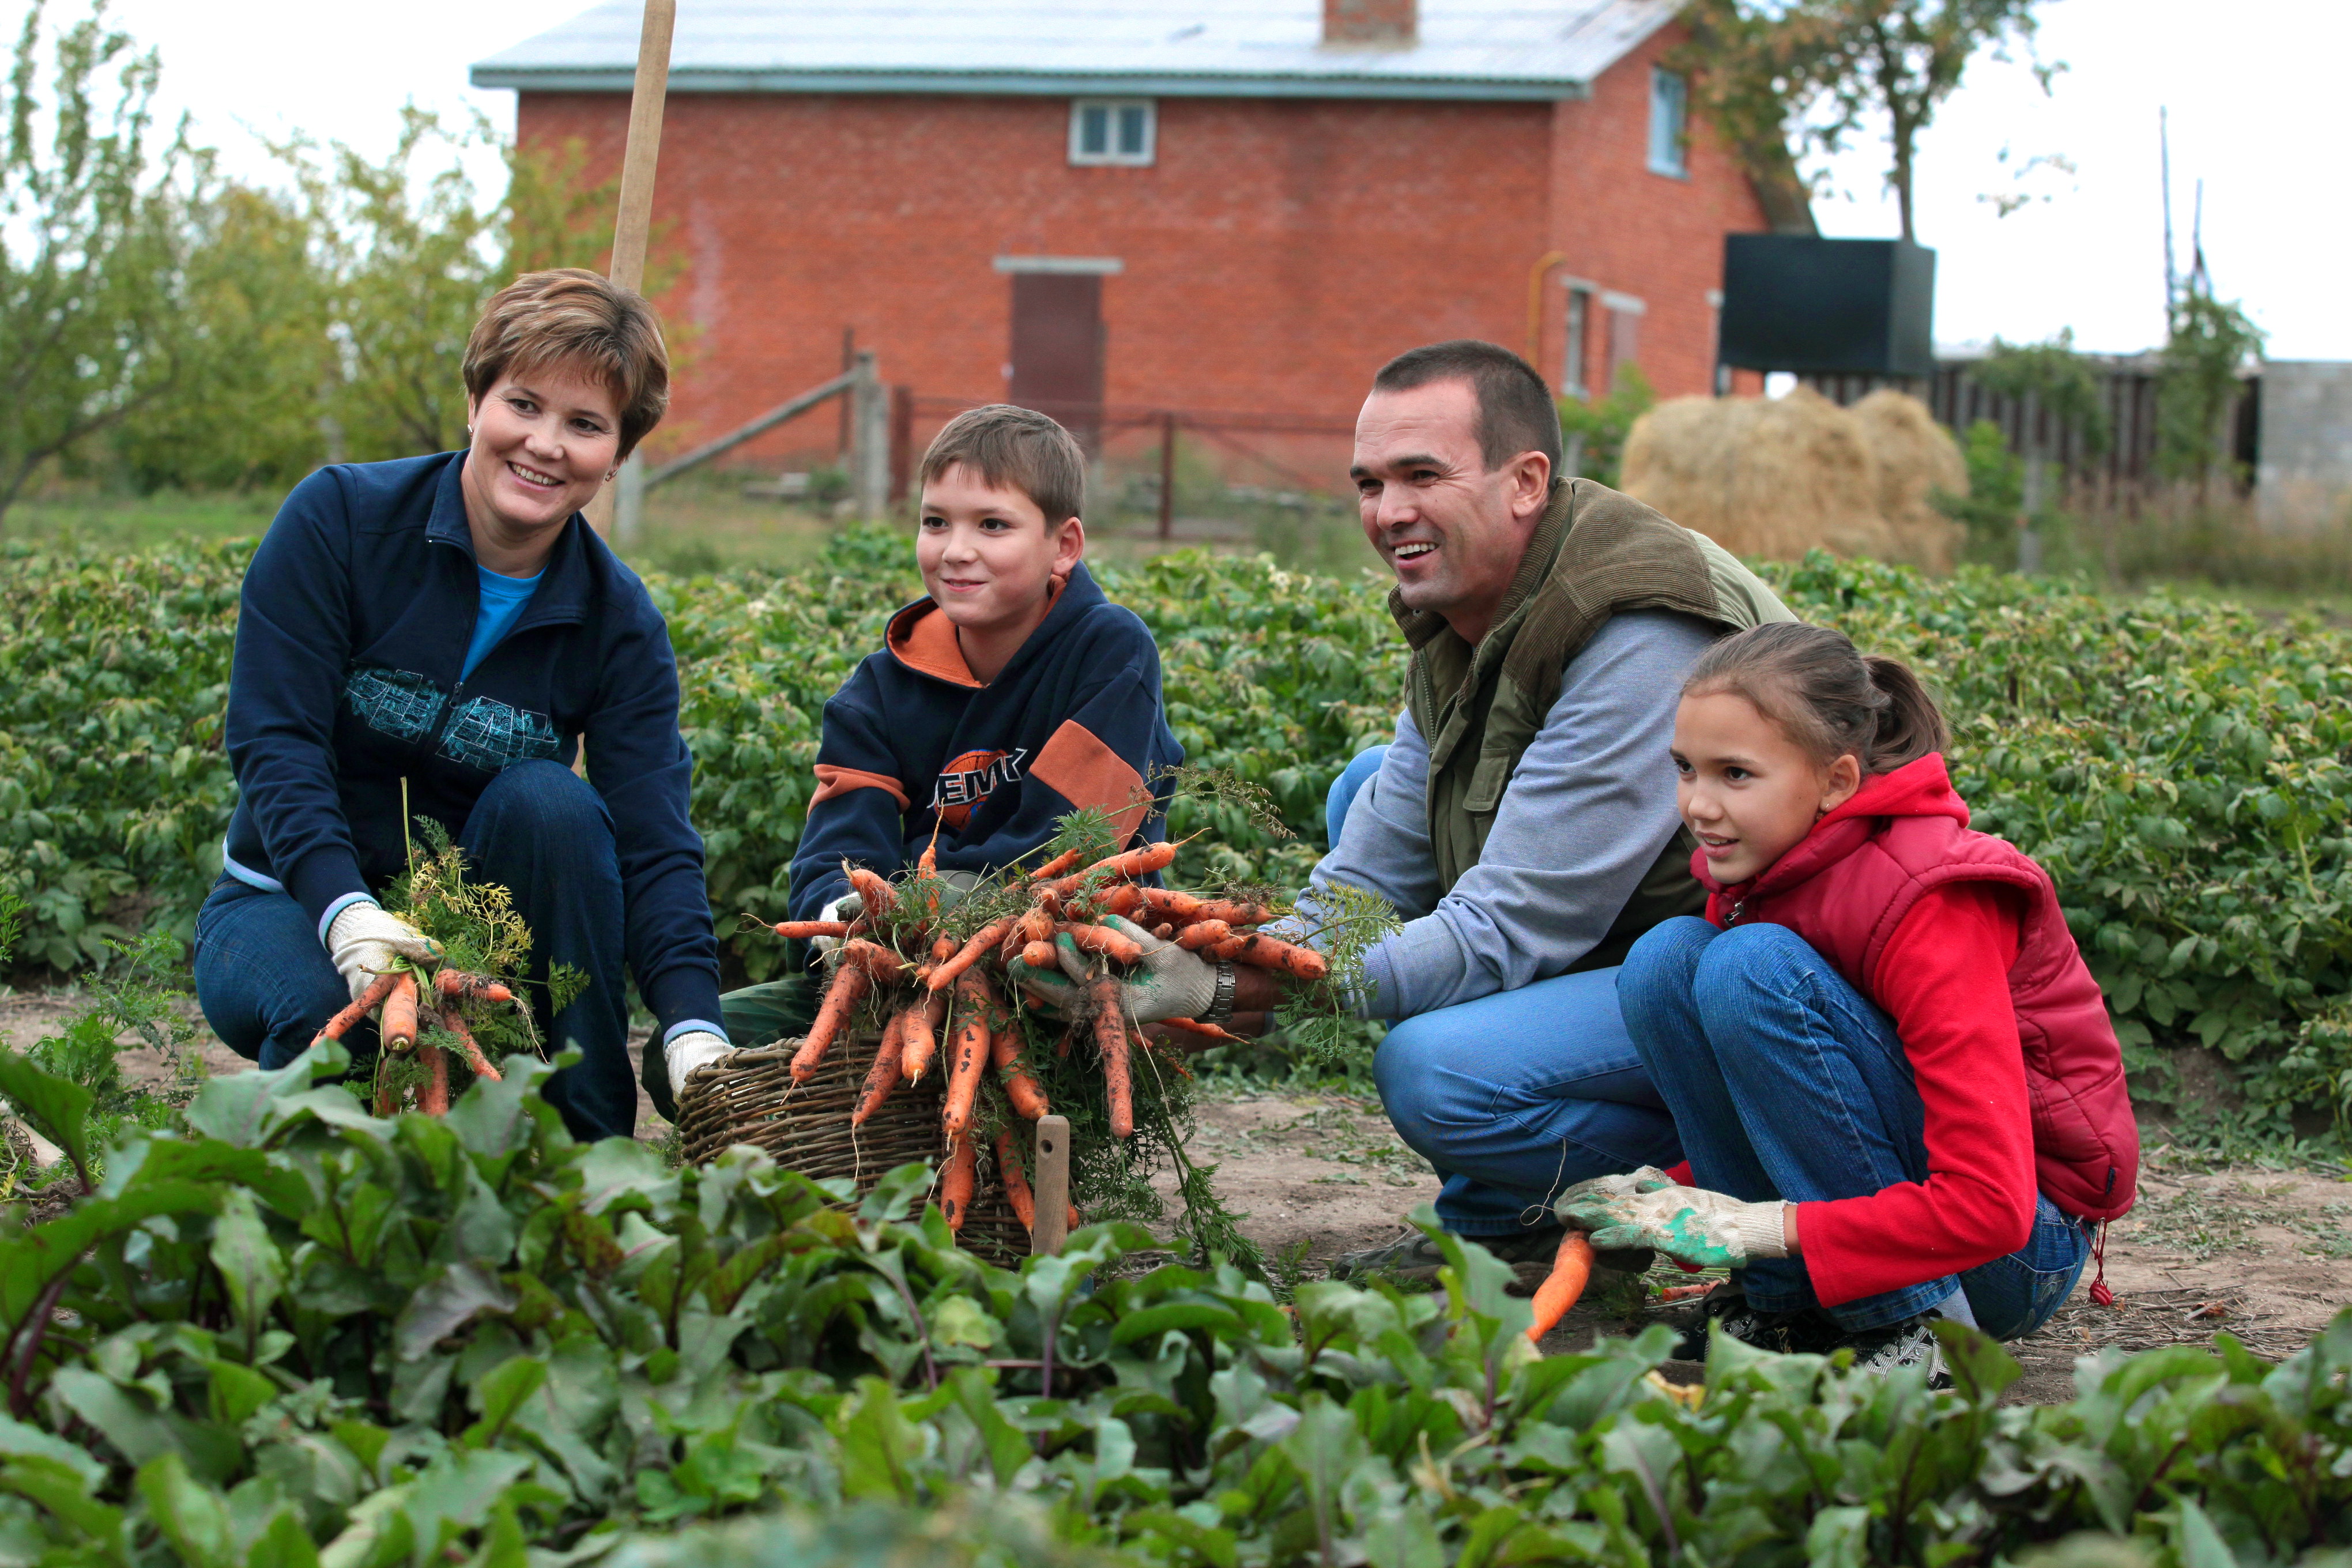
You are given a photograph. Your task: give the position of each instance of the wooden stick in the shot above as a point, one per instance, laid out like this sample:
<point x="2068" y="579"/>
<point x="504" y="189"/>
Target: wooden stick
<point x="1053" y="1186"/>
<point x="634" y="225"/>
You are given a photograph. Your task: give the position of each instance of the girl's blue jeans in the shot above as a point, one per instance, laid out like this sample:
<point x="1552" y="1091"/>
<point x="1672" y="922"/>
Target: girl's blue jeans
<point x="1785" y="1082"/>
<point x="267" y="986"/>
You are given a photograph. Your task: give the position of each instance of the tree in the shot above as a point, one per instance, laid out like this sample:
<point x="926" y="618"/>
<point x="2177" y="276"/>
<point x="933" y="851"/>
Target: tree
<point x="1780" y="79"/>
<point x="90" y="245"/>
<point x="2205" y="355"/>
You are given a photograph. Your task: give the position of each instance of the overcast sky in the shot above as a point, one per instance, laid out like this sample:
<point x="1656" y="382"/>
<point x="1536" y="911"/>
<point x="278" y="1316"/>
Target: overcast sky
<point x="2247" y="85"/>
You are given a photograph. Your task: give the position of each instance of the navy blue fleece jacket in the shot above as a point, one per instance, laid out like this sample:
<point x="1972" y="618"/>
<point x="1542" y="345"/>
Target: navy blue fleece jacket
<point x="352" y="632"/>
<point x="1074" y="720"/>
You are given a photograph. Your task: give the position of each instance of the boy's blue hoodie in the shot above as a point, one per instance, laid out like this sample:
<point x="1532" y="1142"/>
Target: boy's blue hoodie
<point x="352" y="631"/>
<point x="1074" y="720"/>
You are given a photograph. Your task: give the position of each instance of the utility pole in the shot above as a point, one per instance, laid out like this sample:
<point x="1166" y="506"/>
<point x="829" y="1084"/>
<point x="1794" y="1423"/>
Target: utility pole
<point x="633" y="226"/>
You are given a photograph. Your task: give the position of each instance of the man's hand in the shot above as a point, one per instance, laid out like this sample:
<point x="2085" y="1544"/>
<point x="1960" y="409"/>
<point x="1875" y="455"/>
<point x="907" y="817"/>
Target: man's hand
<point x="366" y="939"/>
<point x="684" y="1056"/>
<point x="1168" y="984"/>
<point x="1648" y="1209"/>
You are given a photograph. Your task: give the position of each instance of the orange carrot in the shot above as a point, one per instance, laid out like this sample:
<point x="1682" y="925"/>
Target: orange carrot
<point x="1205" y="1031"/>
<point x="1016" y="1183"/>
<point x="1134" y="863"/>
<point x="1170" y="904"/>
<point x="1232" y="913"/>
<point x="1570" y="1270"/>
<point x="455" y="1024"/>
<point x="1116" y="946"/>
<point x="883" y="1076"/>
<point x="1202" y="934"/>
<point x="1020" y="1091"/>
<point x="805" y="930"/>
<point x="847" y="988"/>
<point x="1265" y="953"/>
<point x="1163" y="931"/>
<point x="942" y="949"/>
<point x="969" y="1055"/>
<point x="1110" y="1041"/>
<point x="873" y="892"/>
<point x="433" y="1098"/>
<point x="921" y="1038"/>
<point x="400" y="1015"/>
<point x="1039" y="955"/>
<point x="983" y="939"/>
<point x="1055" y="867"/>
<point x="929" y="864"/>
<point x="962" y="1176"/>
<point x="455" y="984"/>
<point x="367" y="1001"/>
<point x="1032" y="925"/>
<point x="886" y="966"/>
<point x="1126" y="900"/>
<point x="1075" y="1220"/>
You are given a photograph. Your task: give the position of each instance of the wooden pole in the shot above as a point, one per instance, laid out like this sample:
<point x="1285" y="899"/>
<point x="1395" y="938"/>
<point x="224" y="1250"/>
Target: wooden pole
<point x="1053" y="1186"/>
<point x="635" y="223"/>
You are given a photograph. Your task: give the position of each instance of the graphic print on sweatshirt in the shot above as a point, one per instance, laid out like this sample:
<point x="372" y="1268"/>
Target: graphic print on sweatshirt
<point x="484" y="732"/>
<point x="970" y="779"/>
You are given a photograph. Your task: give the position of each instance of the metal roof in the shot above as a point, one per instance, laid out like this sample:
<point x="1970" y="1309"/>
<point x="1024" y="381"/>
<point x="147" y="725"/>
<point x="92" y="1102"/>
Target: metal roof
<point x="1468" y="49"/>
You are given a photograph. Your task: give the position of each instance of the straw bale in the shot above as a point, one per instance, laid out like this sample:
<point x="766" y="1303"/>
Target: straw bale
<point x="1917" y="457"/>
<point x="1771" y="477"/>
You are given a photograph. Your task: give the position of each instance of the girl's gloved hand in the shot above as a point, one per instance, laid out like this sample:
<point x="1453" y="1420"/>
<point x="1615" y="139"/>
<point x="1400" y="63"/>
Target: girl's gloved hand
<point x="367" y="939"/>
<point x="688" y="1053"/>
<point x="1647" y="1208"/>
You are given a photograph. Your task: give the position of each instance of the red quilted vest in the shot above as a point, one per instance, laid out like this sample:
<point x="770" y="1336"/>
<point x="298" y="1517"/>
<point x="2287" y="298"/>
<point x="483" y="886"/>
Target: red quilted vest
<point x="1849" y="884"/>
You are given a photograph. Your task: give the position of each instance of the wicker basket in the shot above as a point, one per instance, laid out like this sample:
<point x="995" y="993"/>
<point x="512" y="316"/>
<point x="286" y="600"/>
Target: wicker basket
<point x="745" y="1102"/>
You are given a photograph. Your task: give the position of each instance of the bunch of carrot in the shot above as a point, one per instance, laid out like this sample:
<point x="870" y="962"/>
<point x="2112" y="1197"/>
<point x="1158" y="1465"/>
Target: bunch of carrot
<point x="895" y="957"/>
<point x="400" y="994"/>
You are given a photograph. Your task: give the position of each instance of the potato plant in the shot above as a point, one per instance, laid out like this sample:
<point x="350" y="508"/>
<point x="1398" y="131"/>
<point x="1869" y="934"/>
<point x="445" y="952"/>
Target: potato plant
<point x="2179" y="765"/>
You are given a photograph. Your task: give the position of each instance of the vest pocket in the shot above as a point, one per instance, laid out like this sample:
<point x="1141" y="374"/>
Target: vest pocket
<point x="1487" y="782"/>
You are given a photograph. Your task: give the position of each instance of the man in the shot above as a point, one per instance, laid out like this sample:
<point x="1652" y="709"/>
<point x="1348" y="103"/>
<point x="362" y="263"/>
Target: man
<point x="1523" y="821"/>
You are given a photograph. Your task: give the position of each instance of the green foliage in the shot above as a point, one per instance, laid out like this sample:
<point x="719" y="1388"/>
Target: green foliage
<point x="1595" y="428"/>
<point x="2209" y="345"/>
<point x="2061" y="381"/>
<point x="89" y="242"/>
<point x="1995" y="497"/>
<point x="299" y="1335"/>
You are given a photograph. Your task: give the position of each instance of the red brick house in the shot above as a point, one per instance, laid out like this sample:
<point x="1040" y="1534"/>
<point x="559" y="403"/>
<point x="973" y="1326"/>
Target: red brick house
<point x="1231" y="205"/>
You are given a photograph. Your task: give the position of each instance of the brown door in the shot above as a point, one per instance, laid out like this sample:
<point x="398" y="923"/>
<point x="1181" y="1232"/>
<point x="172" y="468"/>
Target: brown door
<point x="1058" y="348"/>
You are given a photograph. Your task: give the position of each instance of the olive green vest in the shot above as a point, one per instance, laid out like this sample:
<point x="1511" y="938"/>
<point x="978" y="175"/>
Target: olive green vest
<point x="1594" y="553"/>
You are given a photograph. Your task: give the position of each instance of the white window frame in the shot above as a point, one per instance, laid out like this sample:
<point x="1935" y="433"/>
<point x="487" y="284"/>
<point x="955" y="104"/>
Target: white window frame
<point x="1113" y="155"/>
<point x="1580" y="317"/>
<point x="1669" y="123"/>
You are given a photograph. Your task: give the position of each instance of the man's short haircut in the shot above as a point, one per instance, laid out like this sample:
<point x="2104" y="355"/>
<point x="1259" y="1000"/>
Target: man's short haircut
<point x="576" y="319"/>
<point x="1016" y="449"/>
<point x="1515" y="412"/>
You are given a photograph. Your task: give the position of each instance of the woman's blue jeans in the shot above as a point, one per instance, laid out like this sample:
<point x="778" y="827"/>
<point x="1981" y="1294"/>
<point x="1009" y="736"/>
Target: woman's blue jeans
<point x="1785" y="1082"/>
<point x="267" y="986"/>
<point x="1516" y="1095"/>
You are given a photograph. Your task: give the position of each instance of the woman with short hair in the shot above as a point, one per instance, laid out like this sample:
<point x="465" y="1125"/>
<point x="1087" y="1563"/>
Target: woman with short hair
<point x="435" y="638"/>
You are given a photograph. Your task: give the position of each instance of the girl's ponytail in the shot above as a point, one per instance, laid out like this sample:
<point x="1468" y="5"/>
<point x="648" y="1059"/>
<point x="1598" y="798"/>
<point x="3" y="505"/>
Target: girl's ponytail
<point x="1830" y="698"/>
<point x="1910" y="725"/>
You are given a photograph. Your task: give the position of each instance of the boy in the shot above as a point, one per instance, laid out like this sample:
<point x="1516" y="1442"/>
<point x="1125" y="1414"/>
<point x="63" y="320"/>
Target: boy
<point x="1011" y="695"/>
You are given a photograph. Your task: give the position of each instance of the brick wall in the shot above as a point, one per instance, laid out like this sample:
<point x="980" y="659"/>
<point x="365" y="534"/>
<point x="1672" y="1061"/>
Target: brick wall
<point x="1274" y="255"/>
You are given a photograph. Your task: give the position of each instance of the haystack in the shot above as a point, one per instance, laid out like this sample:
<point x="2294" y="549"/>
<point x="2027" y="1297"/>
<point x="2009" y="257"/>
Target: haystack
<point x="1777" y="477"/>
<point x="1917" y="457"/>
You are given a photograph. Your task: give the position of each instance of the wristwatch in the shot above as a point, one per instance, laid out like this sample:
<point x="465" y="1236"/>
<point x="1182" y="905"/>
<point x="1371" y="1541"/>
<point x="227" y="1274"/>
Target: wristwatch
<point x="1221" y="1006"/>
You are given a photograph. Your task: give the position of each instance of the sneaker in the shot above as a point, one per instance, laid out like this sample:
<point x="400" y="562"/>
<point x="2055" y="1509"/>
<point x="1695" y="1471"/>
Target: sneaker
<point x="1911" y="1343"/>
<point x="1412" y="1255"/>
<point x="1727" y="1308"/>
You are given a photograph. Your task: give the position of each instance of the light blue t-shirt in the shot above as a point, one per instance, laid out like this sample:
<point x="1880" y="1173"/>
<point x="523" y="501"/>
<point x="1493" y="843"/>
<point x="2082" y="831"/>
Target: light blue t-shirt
<point x="502" y="602"/>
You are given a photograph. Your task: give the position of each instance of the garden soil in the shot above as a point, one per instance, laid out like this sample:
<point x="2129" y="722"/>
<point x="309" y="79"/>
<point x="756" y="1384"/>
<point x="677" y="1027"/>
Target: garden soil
<point x="2263" y="1254"/>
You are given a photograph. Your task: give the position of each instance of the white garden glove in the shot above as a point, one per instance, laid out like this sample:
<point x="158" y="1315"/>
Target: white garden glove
<point x="366" y="939"/>
<point x="1648" y="1209"/>
<point x="1170" y="982"/>
<point x="694" y="1049"/>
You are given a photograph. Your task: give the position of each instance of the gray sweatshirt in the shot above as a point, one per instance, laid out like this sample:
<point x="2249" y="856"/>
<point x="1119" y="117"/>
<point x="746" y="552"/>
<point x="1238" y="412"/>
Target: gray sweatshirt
<point x="1586" y="813"/>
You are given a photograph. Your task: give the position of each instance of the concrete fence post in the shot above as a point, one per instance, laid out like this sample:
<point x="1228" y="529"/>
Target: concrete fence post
<point x="870" y="438"/>
<point x="629" y="503"/>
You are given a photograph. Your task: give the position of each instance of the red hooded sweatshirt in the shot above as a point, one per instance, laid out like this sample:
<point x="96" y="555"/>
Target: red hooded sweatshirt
<point x="1957" y="936"/>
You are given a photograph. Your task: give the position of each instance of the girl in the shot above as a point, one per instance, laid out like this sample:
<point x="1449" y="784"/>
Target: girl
<point x="1893" y="1077"/>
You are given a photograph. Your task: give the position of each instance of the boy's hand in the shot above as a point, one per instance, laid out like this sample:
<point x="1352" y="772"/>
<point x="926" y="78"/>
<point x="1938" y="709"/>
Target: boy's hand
<point x="366" y="939"/>
<point x="1646" y="1208"/>
<point x="1170" y="982"/>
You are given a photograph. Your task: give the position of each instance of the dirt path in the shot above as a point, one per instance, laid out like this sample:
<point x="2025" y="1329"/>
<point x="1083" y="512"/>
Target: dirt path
<point x="2266" y="1255"/>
